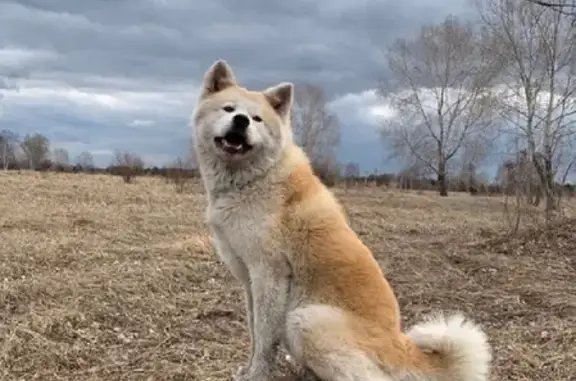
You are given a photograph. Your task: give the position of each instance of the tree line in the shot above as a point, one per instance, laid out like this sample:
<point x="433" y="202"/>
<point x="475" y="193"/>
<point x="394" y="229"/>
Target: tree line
<point x="33" y="152"/>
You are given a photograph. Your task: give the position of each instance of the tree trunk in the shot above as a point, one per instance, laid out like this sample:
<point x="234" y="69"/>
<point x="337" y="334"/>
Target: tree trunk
<point x="535" y="195"/>
<point x="442" y="180"/>
<point x="4" y="159"/>
<point x="545" y="174"/>
<point x="550" y="186"/>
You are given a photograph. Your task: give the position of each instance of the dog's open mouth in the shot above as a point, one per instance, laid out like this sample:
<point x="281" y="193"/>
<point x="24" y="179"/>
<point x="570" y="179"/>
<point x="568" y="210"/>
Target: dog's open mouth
<point x="233" y="143"/>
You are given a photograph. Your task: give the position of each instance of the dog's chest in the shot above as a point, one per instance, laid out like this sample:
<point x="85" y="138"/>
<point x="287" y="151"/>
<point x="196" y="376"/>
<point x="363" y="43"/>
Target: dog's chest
<point x="239" y="225"/>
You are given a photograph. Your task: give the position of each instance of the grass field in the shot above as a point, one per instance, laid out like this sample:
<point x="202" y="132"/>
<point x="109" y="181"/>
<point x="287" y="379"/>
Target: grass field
<point x="101" y="280"/>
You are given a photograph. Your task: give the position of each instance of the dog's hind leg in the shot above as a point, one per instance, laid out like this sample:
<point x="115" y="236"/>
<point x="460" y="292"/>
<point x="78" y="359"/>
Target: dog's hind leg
<point x="318" y="339"/>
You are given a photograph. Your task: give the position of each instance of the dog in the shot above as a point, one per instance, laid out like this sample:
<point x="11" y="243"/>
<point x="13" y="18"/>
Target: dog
<point x="310" y="283"/>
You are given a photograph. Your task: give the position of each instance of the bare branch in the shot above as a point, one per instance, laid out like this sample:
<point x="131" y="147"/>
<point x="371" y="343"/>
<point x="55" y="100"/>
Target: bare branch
<point x="566" y="8"/>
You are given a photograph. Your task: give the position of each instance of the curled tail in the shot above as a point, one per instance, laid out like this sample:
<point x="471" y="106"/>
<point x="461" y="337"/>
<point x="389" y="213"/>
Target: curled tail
<point x="452" y="347"/>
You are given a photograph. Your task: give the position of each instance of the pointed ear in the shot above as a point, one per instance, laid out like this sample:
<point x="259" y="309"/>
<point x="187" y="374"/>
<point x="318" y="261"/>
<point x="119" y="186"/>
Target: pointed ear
<point x="280" y="97"/>
<point x="217" y="78"/>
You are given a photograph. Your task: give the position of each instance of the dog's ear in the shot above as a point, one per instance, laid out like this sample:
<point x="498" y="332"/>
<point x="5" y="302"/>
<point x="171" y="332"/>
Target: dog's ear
<point x="217" y="78"/>
<point x="280" y="98"/>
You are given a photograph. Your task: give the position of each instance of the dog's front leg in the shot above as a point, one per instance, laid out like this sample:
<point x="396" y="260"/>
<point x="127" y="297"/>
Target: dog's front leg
<point x="238" y="268"/>
<point x="270" y="286"/>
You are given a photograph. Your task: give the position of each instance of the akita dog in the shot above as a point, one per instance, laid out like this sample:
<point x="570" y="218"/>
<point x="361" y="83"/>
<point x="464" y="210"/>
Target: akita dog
<point x="310" y="282"/>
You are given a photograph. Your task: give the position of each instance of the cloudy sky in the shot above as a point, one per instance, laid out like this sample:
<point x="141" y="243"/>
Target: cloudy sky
<point x="100" y="75"/>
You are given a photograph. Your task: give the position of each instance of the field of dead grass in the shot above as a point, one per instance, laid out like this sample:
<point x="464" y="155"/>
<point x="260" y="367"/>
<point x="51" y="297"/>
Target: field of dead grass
<point x="101" y="280"/>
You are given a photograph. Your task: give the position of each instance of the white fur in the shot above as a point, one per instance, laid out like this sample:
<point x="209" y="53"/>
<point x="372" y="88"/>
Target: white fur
<point x="255" y="130"/>
<point x="332" y="351"/>
<point x="460" y="340"/>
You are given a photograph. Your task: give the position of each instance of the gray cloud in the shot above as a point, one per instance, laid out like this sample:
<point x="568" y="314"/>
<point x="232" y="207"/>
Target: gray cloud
<point x="164" y="46"/>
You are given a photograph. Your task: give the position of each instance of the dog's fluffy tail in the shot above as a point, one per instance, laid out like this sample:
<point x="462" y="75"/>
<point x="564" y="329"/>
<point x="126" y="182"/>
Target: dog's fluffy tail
<point x="450" y="348"/>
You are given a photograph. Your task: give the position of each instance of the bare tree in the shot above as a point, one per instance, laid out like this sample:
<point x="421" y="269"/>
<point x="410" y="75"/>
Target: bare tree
<point x="470" y="158"/>
<point x="439" y="87"/>
<point x="352" y="170"/>
<point x="180" y="173"/>
<point x="537" y="92"/>
<point x="8" y="149"/>
<point x="8" y="139"/>
<point x="36" y="148"/>
<point x="128" y="165"/>
<point x="351" y="173"/>
<point x="85" y="161"/>
<point x="519" y="175"/>
<point x="60" y="159"/>
<point x="519" y="180"/>
<point x="316" y="128"/>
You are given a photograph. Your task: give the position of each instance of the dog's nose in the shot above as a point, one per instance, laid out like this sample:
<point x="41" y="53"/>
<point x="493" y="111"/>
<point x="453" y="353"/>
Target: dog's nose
<point x="240" y="122"/>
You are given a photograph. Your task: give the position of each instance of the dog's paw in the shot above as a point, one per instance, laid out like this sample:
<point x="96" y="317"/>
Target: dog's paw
<point x="241" y="373"/>
<point x="245" y="373"/>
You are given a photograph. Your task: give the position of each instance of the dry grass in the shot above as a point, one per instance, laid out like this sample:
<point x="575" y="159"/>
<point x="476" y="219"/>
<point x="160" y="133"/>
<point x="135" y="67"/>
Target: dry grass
<point x="102" y="280"/>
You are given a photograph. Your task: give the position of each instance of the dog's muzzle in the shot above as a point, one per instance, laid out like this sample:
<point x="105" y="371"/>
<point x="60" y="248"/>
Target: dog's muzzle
<point x="235" y="140"/>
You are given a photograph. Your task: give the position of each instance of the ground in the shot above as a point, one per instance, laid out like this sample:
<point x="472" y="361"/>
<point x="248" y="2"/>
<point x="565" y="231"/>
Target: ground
<point x="101" y="280"/>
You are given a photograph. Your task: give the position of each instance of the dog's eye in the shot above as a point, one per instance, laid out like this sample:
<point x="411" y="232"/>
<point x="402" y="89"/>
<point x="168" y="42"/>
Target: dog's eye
<point x="228" y="108"/>
<point x="256" y="118"/>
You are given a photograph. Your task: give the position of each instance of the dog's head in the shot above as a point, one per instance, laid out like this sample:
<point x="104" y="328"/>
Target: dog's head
<point x="240" y="127"/>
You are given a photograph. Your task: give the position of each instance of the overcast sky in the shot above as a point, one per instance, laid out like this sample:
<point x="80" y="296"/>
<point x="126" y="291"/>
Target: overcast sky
<point x="100" y="75"/>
